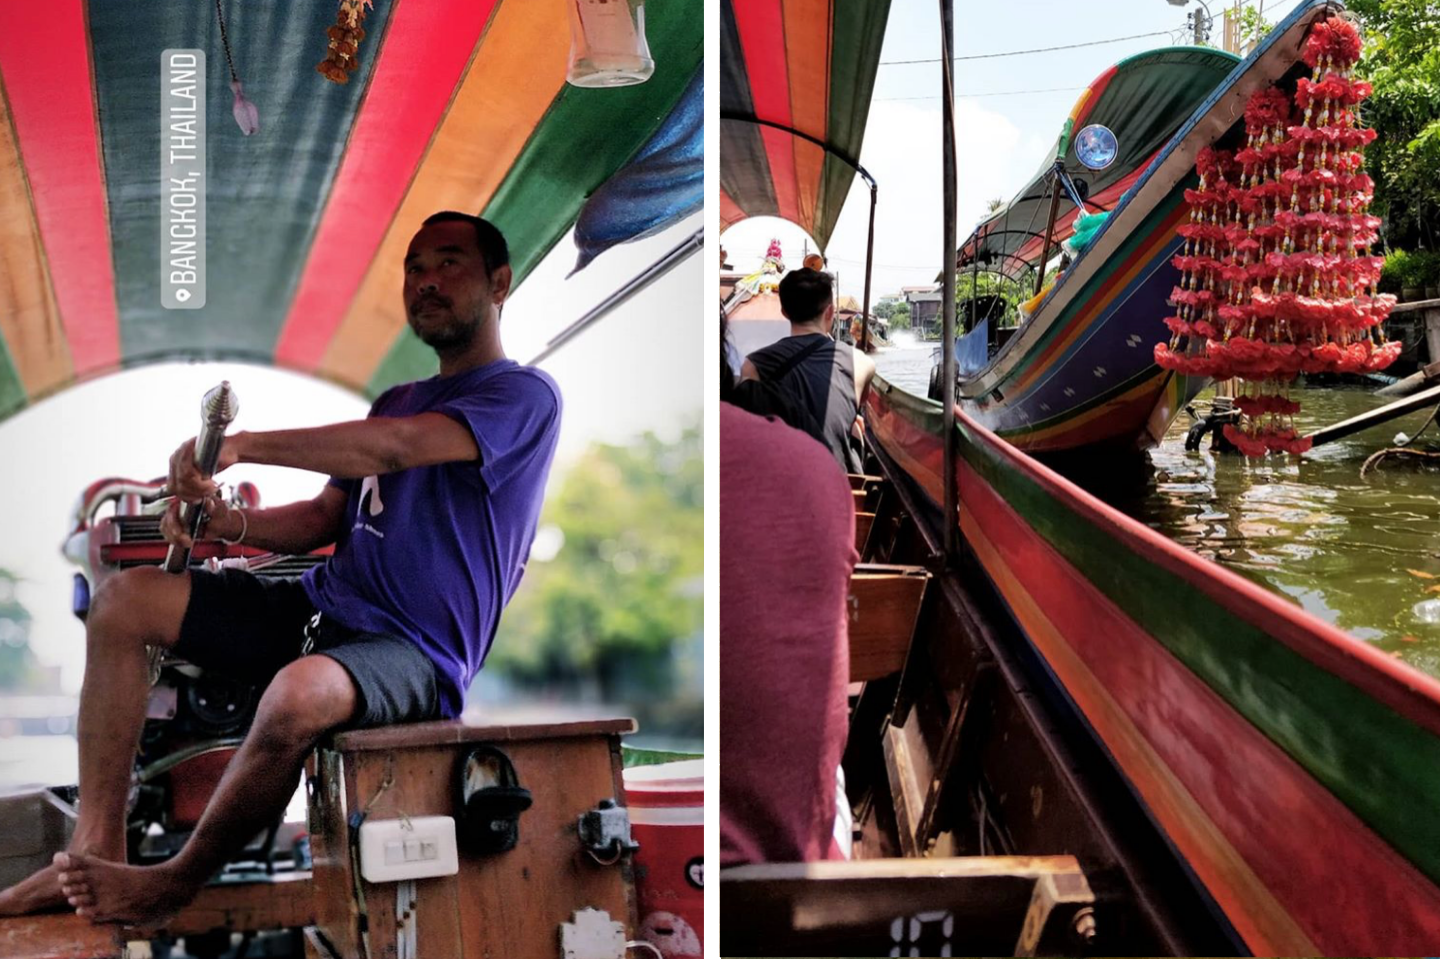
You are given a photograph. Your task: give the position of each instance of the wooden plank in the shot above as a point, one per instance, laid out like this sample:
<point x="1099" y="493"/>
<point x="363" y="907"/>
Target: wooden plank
<point x="282" y="903"/>
<point x="884" y="604"/>
<point x="286" y="901"/>
<point x="963" y="906"/>
<point x="452" y="731"/>
<point x="908" y="769"/>
<point x="1415" y="305"/>
<point x="1416" y="401"/>
<point x="863" y="522"/>
<point x="859" y="496"/>
<point x="58" y="936"/>
<point x="864" y="481"/>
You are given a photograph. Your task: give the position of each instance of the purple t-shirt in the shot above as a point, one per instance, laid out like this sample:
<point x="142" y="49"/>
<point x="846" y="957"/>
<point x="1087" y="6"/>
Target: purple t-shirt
<point x="433" y="553"/>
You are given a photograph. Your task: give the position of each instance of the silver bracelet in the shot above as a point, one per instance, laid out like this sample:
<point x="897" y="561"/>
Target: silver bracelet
<point x="244" y="528"/>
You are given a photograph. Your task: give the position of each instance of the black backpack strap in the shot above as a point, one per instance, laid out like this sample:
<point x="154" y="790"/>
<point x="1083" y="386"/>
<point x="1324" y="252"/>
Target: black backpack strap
<point x="789" y="365"/>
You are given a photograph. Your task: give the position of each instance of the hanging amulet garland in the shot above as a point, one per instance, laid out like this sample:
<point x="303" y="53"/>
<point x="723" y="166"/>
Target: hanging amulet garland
<point x="1290" y="288"/>
<point x="345" y="36"/>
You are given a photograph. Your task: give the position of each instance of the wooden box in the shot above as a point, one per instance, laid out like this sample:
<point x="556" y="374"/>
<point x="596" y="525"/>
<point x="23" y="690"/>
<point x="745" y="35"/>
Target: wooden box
<point x="509" y="904"/>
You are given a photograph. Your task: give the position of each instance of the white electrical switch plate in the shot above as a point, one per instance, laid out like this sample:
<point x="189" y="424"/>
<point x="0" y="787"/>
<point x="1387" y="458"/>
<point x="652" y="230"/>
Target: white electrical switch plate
<point x="592" y="935"/>
<point x="421" y="847"/>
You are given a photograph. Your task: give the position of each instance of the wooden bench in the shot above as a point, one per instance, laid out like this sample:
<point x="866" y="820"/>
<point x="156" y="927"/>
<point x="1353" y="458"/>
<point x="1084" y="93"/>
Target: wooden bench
<point x="972" y="906"/>
<point x="865" y="491"/>
<point x="884" y="605"/>
<point x="280" y="902"/>
<point x="863" y="522"/>
<point x="507" y="904"/>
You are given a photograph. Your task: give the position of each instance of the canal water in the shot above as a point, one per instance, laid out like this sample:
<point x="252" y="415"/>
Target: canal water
<point x="1362" y="553"/>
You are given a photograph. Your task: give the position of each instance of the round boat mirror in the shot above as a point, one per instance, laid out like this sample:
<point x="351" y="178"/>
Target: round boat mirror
<point x="1095" y="146"/>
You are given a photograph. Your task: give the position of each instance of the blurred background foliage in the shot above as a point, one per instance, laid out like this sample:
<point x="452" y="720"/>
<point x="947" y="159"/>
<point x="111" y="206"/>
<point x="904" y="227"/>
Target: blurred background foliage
<point x="611" y="604"/>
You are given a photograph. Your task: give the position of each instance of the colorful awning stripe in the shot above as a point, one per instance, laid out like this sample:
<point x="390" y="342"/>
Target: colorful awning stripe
<point x="458" y="104"/>
<point x="796" y="78"/>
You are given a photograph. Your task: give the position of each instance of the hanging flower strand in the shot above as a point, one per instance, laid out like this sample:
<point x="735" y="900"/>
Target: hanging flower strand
<point x="345" y="36"/>
<point x="1295" y="271"/>
<point x="245" y="112"/>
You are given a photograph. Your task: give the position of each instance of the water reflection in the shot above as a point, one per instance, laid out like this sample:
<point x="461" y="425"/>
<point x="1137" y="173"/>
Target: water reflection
<point x="1363" y="554"/>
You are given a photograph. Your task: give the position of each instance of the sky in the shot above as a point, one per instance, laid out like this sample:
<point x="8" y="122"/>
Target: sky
<point x="1003" y="128"/>
<point x="638" y="369"/>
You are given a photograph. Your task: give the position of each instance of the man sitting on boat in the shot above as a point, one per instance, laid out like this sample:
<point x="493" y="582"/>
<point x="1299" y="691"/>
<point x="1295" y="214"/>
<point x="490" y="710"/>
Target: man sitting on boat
<point x="432" y="503"/>
<point x="826" y="381"/>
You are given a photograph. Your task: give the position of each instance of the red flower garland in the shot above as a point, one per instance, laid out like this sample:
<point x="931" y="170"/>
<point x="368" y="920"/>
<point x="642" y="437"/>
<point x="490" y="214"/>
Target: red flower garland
<point x="1276" y="273"/>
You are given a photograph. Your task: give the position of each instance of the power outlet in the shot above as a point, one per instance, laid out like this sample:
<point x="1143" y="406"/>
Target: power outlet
<point x="421" y="847"/>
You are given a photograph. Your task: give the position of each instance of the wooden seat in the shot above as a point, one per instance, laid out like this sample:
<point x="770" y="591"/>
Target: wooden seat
<point x="972" y="906"/>
<point x="863" y="522"/>
<point x="884" y="604"/>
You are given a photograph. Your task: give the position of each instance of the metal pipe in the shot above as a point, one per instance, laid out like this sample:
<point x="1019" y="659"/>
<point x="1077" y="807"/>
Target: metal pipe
<point x="217" y="412"/>
<point x="1049" y="232"/>
<point x="947" y="302"/>
<point x="677" y="255"/>
<point x="869" y="262"/>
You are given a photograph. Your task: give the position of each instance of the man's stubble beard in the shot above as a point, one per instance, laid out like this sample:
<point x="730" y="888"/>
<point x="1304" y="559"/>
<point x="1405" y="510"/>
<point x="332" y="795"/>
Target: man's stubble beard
<point x="457" y="336"/>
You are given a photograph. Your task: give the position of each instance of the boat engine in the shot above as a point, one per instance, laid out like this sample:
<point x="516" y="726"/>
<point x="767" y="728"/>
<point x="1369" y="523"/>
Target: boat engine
<point x="195" y="719"/>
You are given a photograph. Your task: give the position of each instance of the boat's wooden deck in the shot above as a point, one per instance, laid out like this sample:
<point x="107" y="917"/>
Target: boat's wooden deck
<point x="283" y="902"/>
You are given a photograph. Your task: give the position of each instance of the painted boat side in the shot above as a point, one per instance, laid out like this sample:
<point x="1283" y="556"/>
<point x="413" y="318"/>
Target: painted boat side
<point x="1293" y="767"/>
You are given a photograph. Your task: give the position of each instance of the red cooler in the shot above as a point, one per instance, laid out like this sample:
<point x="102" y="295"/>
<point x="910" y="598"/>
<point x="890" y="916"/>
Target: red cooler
<point x="667" y="818"/>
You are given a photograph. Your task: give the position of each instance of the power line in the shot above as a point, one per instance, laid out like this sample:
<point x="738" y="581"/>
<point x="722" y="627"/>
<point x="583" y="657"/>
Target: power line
<point x="981" y="96"/>
<point x="1018" y="53"/>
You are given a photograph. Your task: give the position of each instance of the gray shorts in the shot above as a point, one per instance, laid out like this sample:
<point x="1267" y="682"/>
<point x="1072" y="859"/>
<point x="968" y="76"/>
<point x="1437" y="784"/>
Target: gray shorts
<point x="250" y="628"/>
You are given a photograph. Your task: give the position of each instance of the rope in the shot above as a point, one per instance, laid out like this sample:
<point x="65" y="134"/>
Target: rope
<point x="1375" y="459"/>
<point x="1017" y="53"/>
<point x="225" y="41"/>
<point x="1422" y="428"/>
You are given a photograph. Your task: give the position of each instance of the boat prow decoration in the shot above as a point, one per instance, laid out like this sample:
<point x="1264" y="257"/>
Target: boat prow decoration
<point x="1079" y="371"/>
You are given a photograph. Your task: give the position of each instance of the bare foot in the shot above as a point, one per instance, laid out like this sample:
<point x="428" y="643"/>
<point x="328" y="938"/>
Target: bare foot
<point x="40" y="893"/>
<point x="104" y="891"/>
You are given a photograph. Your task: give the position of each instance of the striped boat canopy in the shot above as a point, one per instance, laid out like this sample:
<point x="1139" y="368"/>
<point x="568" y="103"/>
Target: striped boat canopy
<point x="1143" y="100"/>
<point x="795" y="84"/>
<point x="457" y="104"/>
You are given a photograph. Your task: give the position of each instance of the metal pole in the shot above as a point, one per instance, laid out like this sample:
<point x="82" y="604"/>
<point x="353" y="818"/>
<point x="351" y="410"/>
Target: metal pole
<point x="974" y="286"/>
<point x="951" y="519"/>
<point x="681" y="252"/>
<point x="1049" y="230"/>
<point x="869" y="262"/>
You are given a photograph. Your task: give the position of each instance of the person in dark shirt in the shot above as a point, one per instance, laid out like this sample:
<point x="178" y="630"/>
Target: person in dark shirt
<point x="824" y="380"/>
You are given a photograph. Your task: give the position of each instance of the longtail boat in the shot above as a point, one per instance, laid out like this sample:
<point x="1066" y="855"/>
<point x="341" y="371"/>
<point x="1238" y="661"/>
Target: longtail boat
<point x="1079" y="371"/>
<point x="1291" y="767"/>
<point x="1069" y="735"/>
<point x="331" y="131"/>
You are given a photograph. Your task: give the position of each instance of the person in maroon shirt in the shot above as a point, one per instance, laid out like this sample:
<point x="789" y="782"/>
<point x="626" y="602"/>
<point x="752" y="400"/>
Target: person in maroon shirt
<point x="787" y="548"/>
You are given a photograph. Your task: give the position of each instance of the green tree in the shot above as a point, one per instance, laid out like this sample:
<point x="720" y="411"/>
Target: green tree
<point x="18" y="666"/>
<point x="1402" y="60"/>
<point x="1252" y="27"/>
<point x="627" y="583"/>
<point x="970" y="286"/>
<point x="900" y="316"/>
